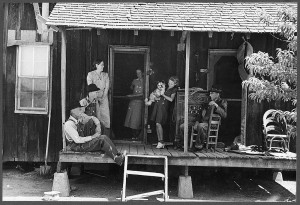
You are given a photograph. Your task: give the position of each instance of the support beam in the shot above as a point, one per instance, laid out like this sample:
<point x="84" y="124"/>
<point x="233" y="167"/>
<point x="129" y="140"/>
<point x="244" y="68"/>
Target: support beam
<point x="19" y="21"/>
<point x="37" y="13"/>
<point x="45" y="14"/>
<point x="63" y="81"/>
<point x="186" y="90"/>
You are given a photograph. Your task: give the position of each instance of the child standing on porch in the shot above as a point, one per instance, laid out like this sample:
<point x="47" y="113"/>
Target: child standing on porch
<point x="160" y="110"/>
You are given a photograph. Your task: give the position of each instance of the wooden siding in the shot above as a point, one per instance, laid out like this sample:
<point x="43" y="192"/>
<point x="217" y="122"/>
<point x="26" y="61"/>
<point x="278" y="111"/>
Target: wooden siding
<point x="25" y="135"/>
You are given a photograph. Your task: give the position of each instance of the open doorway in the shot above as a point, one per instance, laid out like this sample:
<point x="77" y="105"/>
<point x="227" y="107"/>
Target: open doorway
<point x="123" y="63"/>
<point x="223" y="71"/>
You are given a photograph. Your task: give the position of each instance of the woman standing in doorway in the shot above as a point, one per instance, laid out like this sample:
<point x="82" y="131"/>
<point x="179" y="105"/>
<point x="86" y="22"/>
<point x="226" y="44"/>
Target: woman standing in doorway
<point x="160" y="110"/>
<point x="133" y="118"/>
<point x="101" y="80"/>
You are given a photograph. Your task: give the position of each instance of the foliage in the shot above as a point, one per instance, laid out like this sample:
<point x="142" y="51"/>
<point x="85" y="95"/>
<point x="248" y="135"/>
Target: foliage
<point x="276" y="79"/>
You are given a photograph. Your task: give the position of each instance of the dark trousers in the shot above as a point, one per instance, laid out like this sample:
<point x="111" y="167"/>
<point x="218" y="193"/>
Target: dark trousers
<point x="101" y="143"/>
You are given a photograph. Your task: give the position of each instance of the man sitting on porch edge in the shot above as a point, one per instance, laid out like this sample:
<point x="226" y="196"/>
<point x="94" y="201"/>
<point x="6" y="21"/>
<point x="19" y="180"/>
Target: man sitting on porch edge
<point x="88" y="143"/>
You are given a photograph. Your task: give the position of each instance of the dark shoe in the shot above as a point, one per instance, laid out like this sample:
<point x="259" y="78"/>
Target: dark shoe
<point x="119" y="159"/>
<point x="73" y="188"/>
<point x="199" y="147"/>
<point x="176" y="145"/>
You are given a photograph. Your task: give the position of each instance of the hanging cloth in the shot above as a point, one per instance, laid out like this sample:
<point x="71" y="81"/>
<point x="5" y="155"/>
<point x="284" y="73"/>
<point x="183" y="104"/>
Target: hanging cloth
<point x="243" y="51"/>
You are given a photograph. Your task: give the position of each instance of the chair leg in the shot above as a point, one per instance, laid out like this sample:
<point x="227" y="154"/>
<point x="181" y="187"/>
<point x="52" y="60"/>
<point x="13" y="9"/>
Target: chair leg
<point x="192" y="138"/>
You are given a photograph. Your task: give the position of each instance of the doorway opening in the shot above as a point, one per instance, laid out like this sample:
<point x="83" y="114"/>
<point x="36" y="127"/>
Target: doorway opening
<point x="123" y="63"/>
<point x="223" y="71"/>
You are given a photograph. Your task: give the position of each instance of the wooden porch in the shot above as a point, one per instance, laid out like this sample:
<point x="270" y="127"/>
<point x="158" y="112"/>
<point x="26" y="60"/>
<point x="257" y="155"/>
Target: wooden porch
<point x="219" y="158"/>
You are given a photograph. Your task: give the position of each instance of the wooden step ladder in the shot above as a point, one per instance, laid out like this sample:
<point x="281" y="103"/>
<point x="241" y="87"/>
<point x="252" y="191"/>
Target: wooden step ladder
<point x="164" y="176"/>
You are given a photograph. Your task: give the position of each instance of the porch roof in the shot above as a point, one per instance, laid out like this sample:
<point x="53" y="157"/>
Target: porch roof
<point x="176" y="16"/>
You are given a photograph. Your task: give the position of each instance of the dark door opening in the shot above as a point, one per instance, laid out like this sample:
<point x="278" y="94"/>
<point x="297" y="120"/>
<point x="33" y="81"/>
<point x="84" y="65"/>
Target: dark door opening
<point x="123" y="63"/>
<point x="224" y="72"/>
<point x="125" y="66"/>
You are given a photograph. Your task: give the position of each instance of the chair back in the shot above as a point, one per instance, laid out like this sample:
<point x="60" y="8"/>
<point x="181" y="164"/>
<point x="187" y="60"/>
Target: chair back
<point x="275" y="130"/>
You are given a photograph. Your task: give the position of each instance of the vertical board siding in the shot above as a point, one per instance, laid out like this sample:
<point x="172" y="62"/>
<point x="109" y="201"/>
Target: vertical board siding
<point x="25" y="135"/>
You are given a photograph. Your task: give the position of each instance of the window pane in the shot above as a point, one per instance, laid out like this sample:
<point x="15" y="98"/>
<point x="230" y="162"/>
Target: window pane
<point x="40" y="85"/>
<point x="41" y="53"/>
<point x="26" y="84"/>
<point x="26" y="64"/>
<point x="26" y="68"/>
<point x="39" y="100"/>
<point x="40" y="68"/>
<point x="41" y="61"/>
<point x="25" y="99"/>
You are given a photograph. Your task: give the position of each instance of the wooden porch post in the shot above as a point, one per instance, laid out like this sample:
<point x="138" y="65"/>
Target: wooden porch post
<point x="186" y="90"/>
<point x="185" y="188"/>
<point x="63" y="81"/>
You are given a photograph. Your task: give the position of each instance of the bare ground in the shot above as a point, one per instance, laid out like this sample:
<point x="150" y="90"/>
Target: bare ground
<point x="237" y="185"/>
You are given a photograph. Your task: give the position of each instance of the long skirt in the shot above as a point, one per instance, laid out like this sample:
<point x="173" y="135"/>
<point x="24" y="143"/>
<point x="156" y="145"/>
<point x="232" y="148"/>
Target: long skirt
<point x="134" y="115"/>
<point x="103" y="114"/>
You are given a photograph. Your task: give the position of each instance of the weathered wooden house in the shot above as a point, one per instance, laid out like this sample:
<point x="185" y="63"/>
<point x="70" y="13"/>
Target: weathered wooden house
<point x="198" y="42"/>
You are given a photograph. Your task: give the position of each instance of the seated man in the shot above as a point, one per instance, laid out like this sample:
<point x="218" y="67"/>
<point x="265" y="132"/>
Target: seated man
<point x="220" y="107"/>
<point x="91" y="143"/>
<point x="178" y="142"/>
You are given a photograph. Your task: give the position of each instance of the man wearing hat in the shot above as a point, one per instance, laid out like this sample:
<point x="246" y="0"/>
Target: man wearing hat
<point x="220" y="107"/>
<point x="94" y="142"/>
<point x="90" y="102"/>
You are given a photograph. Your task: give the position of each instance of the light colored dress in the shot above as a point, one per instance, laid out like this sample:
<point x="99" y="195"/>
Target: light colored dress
<point x="102" y="106"/>
<point x="133" y="118"/>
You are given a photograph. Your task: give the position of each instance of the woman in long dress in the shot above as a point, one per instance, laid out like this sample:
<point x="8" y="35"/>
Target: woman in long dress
<point x="101" y="80"/>
<point x="133" y="118"/>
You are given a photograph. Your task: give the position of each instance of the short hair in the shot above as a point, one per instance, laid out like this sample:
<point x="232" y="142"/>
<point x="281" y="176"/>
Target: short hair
<point x="96" y="62"/>
<point x="175" y="80"/>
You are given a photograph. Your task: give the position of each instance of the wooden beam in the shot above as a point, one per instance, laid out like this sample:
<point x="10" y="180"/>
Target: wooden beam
<point x="37" y="13"/>
<point x="45" y="14"/>
<point x="186" y="90"/>
<point x="19" y="21"/>
<point x="4" y="49"/>
<point x="63" y="81"/>
<point x="243" y="162"/>
<point x="43" y="20"/>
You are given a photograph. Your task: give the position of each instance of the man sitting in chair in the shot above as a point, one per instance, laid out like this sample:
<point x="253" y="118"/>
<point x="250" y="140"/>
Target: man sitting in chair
<point x="79" y="141"/>
<point x="220" y="107"/>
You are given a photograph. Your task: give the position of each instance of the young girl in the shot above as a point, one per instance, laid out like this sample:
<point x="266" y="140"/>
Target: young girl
<point x="160" y="110"/>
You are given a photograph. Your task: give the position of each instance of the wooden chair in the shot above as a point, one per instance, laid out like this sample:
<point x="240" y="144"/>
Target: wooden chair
<point x="212" y="132"/>
<point x="275" y="131"/>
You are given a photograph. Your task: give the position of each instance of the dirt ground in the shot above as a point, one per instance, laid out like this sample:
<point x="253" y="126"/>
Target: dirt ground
<point x="238" y="185"/>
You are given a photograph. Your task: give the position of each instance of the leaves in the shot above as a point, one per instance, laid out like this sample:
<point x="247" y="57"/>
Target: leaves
<point x="276" y="79"/>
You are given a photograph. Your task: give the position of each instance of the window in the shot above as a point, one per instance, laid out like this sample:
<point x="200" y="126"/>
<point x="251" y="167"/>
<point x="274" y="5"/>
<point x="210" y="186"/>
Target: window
<point x="32" y="86"/>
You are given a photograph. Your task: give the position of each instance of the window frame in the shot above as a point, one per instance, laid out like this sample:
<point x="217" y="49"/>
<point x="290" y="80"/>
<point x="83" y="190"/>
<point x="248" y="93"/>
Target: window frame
<point x="33" y="110"/>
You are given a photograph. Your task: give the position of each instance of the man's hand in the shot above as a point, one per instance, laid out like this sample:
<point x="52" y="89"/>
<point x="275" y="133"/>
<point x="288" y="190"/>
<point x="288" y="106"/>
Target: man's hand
<point x="213" y="103"/>
<point x="83" y="102"/>
<point x="196" y="125"/>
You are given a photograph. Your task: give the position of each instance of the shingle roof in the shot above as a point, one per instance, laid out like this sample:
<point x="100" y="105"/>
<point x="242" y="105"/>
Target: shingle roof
<point x="189" y="16"/>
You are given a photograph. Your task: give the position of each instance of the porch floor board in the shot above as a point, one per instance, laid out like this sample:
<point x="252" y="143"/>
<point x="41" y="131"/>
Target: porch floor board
<point x="219" y="158"/>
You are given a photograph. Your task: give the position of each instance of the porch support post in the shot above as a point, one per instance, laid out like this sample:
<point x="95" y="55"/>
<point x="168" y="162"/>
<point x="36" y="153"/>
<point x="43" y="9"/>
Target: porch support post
<point x="185" y="188"/>
<point x="186" y="90"/>
<point x="63" y="81"/>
